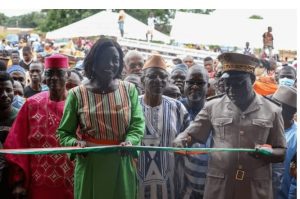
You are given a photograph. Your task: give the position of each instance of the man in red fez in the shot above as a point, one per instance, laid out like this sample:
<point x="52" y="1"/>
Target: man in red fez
<point x="41" y="176"/>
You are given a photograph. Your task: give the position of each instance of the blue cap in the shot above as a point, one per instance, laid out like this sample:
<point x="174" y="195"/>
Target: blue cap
<point x="180" y="67"/>
<point x="16" y="68"/>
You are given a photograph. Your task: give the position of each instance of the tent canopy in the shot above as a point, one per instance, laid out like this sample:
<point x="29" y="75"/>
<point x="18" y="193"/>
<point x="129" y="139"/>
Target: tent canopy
<point x="234" y="28"/>
<point x="105" y="23"/>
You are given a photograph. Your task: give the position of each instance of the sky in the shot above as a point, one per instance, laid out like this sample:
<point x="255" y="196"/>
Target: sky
<point x="240" y="12"/>
<point x="234" y="28"/>
<point x="15" y="12"/>
<point x="153" y="4"/>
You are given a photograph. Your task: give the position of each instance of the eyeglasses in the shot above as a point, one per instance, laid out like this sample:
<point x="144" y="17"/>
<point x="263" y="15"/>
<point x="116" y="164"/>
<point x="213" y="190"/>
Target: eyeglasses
<point x="154" y="76"/>
<point x="136" y="65"/>
<point x="196" y="83"/>
<point x="236" y="83"/>
<point x="19" y="79"/>
<point x="178" y="77"/>
<point x="59" y="73"/>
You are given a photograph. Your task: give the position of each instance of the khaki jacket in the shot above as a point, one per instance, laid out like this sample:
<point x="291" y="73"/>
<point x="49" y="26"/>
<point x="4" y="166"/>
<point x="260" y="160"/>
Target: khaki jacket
<point x="237" y="175"/>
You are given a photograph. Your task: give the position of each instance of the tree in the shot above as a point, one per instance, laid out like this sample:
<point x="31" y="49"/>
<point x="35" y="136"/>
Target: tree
<point x="61" y="17"/>
<point x="31" y="20"/>
<point x="255" y="17"/>
<point x="199" y="11"/>
<point x="163" y="16"/>
<point x="3" y="19"/>
<point x="48" y="20"/>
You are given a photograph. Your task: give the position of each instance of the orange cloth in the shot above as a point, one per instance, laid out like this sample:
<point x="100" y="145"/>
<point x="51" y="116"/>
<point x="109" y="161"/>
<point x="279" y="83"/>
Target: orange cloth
<point x="265" y="86"/>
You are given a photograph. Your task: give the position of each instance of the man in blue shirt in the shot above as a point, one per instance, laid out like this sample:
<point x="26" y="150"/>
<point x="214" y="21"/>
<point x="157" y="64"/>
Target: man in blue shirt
<point x="284" y="185"/>
<point x="195" y="166"/>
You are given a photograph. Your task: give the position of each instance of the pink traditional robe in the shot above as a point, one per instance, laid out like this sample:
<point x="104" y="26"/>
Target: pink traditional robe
<point x="46" y="176"/>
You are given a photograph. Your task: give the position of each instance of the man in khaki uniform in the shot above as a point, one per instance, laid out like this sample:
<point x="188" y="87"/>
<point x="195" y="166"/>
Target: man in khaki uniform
<point x="238" y="119"/>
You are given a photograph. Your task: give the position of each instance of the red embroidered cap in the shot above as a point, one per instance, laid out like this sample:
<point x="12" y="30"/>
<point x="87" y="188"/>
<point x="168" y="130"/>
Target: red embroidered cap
<point x="56" y="61"/>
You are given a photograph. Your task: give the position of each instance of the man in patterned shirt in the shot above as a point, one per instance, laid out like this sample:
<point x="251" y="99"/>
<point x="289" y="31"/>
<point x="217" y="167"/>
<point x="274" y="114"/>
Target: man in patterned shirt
<point x="42" y="176"/>
<point x="165" y="118"/>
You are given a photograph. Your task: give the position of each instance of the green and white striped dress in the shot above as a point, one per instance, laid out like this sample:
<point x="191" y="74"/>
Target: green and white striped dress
<point x="103" y="118"/>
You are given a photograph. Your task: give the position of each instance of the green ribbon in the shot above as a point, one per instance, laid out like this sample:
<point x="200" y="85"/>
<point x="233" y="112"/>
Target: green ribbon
<point x="58" y="150"/>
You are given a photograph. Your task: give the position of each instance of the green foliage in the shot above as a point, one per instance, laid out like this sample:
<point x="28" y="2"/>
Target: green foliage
<point x="256" y="17"/>
<point x="199" y="11"/>
<point x="3" y="19"/>
<point x="31" y="20"/>
<point x="163" y="16"/>
<point x="51" y="19"/>
<point x="61" y="17"/>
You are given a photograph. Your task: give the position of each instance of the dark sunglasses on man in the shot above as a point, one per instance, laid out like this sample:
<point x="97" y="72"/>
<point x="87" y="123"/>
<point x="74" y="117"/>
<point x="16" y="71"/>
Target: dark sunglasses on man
<point x="196" y="83"/>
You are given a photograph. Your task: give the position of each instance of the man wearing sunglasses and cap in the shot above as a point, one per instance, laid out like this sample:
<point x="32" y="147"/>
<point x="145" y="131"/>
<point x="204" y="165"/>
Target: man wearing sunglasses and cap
<point x="238" y="119"/>
<point x="164" y="119"/>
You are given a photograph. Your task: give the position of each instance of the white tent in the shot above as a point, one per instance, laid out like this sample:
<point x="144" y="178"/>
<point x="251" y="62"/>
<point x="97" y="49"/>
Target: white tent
<point x="105" y="23"/>
<point x="234" y="28"/>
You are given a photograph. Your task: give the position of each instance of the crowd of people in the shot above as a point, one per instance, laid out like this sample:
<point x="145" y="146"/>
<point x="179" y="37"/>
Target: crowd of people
<point x="114" y="98"/>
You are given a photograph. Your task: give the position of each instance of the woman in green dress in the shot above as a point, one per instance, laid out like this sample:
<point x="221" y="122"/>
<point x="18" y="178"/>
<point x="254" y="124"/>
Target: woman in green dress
<point x="103" y="111"/>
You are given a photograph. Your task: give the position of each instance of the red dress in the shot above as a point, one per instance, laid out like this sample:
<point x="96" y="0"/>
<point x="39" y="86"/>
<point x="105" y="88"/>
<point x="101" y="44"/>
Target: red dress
<point x="46" y="176"/>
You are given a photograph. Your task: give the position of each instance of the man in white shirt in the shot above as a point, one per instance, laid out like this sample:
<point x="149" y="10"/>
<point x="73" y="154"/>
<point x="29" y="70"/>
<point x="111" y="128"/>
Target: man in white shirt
<point x="151" y="23"/>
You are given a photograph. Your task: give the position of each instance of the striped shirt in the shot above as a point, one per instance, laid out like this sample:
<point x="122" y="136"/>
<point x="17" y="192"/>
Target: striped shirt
<point x="156" y="169"/>
<point x="103" y="116"/>
<point x="195" y="166"/>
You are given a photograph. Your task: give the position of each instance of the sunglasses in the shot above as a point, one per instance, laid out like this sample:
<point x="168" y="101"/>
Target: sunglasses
<point x="154" y="76"/>
<point x="196" y="83"/>
<point x="59" y="73"/>
<point x="236" y="83"/>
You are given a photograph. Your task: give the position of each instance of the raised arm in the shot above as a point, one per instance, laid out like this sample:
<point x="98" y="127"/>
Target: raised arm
<point x="198" y="131"/>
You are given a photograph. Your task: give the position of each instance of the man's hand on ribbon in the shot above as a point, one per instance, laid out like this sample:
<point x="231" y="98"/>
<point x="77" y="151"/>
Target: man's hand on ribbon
<point x="182" y="140"/>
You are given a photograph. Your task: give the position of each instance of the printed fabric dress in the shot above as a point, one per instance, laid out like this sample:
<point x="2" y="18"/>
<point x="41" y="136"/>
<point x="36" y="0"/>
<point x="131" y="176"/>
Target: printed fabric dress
<point x="103" y="119"/>
<point x="46" y="176"/>
<point x="156" y="169"/>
